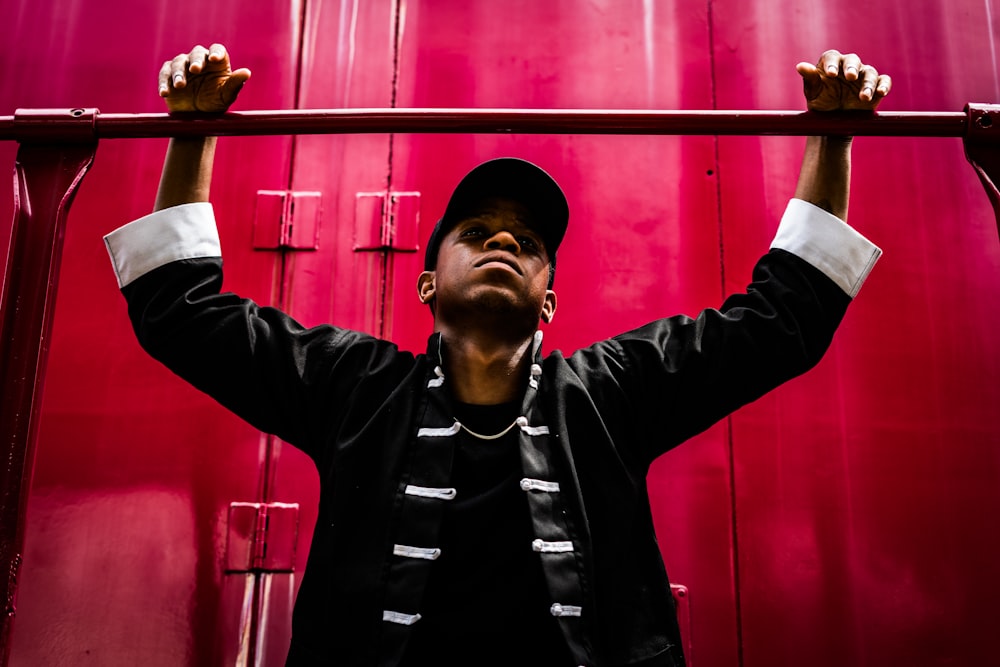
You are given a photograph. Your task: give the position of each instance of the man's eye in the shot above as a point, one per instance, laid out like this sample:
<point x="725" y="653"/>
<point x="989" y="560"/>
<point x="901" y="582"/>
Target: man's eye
<point x="472" y="232"/>
<point x="528" y="242"/>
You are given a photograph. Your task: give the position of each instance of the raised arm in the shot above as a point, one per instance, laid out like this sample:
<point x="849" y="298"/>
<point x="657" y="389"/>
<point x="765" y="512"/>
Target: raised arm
<point x="201" y="80"/>
<point x="837" y="82"/>
<point x="169" y="268"/>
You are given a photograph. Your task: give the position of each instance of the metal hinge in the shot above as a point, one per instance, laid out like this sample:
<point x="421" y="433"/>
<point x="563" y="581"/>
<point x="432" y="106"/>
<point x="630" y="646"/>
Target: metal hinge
<point x="286" y="219"/>
<point x="261" y="537"/>
<point x="386" y="221"/>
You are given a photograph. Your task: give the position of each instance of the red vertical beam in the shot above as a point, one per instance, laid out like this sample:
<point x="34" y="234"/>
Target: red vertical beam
<point x="46" y="178"/>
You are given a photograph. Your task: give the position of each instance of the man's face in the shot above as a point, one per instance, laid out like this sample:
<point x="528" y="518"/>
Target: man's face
<point x="494" y="263"/>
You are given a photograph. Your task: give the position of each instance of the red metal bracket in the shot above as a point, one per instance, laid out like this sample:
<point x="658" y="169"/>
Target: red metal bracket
<point x="287" y="219"/>
<point x="46" y="178"/>
<point x="982" y="149"/>
<point x="683" y="609"/>
<point x="36" y="126"/>
<point x="386" y="221"/>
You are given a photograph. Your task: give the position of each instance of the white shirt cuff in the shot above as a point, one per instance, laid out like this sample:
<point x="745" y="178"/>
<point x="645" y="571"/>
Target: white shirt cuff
<point x="828" y="243"/>
<point x="187" y="231"/>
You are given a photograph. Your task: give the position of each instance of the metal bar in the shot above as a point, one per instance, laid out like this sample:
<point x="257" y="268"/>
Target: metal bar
<point x="483" y="121"/>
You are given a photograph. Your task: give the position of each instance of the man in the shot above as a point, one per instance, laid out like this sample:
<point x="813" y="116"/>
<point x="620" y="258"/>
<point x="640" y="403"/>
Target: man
<point x="483" y="503"/>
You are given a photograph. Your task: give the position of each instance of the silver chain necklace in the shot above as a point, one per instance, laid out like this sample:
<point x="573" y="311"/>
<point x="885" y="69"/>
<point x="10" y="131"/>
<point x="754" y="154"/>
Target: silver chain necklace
<point x="495" y="435"/>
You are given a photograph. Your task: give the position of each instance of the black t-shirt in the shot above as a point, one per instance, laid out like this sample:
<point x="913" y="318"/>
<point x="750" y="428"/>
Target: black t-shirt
<point x="487" y="602"/>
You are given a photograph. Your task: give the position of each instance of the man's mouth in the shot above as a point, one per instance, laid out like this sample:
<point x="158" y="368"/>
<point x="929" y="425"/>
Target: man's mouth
<point x="499" y="259"/>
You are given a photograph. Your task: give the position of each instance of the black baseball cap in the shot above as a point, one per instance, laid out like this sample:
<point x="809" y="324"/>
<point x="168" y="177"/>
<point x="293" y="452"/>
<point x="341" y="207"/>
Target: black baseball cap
<point x="512" y="178"/>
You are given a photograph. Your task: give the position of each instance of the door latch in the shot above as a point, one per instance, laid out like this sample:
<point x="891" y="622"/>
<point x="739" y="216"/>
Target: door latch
<point x="386" y="221"/>
<point x="287" y="219"/>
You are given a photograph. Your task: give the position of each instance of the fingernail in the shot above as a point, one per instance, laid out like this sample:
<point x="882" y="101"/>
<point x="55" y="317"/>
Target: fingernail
<point x="178" y="78"/>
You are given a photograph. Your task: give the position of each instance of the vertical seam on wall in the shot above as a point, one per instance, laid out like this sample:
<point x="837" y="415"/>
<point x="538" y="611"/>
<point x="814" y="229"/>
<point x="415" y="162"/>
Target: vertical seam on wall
<point x="297" y="89"/>
<point x="278" y="292"/>
<point x="269" y="464"/>
<point x="730" y="445"/>
<point x="395" y="81"/>
<point x="265" y="490"/>
<point x="715" y="140"/>
<point x="297" y="101"/>
<point x="387" y="254"/>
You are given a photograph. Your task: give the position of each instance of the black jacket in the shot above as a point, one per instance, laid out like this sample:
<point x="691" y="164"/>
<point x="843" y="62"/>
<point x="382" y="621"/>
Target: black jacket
<point x="354" y="404"/>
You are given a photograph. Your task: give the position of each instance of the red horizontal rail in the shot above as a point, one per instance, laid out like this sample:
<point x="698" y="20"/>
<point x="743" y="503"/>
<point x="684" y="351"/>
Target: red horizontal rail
<point x="57" y="124"/>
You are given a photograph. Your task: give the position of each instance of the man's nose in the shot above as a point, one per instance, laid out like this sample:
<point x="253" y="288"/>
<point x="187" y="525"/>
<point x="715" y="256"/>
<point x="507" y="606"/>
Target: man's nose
<point x="503" y="240"/>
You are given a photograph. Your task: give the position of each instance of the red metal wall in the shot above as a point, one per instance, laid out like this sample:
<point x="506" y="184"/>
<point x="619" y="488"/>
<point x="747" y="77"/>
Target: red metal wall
<point x="866" y="491"/>
<point x="847" y="518"/>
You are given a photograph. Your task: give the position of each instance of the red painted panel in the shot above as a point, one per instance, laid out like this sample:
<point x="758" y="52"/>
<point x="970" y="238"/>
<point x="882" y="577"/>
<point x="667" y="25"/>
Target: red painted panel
<point x="866" y="491"/>
<point x="135" y="471"/>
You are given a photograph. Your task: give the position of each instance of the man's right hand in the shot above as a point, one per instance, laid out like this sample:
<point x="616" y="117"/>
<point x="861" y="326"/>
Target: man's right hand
<point x="201" y="80"/>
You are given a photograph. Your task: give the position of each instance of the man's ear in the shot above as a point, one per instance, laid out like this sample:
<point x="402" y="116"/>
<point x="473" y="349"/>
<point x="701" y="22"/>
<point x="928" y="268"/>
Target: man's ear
<point x="425" y="286"/>
<point x="549" y="307"/>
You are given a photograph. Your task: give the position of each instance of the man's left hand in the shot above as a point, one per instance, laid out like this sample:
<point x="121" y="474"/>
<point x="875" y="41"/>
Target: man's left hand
<point x="841" y="82"/>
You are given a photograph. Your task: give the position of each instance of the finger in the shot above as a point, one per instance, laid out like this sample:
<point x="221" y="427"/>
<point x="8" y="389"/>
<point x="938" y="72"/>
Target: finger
<point x="869" y="78"/>
<point x="234" y="83"/>
<point x="811" y="79"/>
<point x="829" y="63"/>
<point x="217" y="53"/>
<point x="807" y="70"/>
<point x="163" y="85"/>
<point x="196" y="59"/>
<point x="178" y="67"/>
<point x="851" y="66"/>
<point x="883" y="85"/>
<point x="241" y="75"/>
